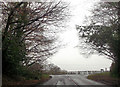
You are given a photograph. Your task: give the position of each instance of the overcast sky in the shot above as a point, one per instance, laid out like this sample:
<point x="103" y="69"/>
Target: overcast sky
<point x="69" y="58"/>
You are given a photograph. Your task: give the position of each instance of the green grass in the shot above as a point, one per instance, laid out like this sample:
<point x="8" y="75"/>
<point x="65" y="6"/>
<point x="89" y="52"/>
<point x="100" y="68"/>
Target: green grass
<point x="45" y="76"/>
<point x="105" y="78"/>
<point x="99" y="74"/>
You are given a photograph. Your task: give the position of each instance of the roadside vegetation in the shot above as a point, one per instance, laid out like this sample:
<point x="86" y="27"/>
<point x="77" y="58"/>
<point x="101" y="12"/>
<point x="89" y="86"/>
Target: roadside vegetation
<point x="32" y="76"/>
<point x="101" y="33"/>
<point x="29" y="38"/>
<point x="105" y="78"/>
<point x="30" y="79"/>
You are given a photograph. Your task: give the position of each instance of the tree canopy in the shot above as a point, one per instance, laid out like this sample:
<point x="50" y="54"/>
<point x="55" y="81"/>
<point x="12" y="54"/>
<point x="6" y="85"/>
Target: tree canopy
<point x="102" y="31"/>
<point x="29" y="32"/>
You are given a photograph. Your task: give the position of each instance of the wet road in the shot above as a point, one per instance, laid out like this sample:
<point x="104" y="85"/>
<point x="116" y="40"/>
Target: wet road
<point x="72" y="81"/>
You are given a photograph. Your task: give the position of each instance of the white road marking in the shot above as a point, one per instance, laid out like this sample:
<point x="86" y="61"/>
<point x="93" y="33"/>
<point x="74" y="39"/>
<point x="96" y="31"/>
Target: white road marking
<point x="60" y="83"/>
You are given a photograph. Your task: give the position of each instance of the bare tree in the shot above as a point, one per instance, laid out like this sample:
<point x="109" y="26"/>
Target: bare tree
<point x="102" y="27"/>
<point x="102" y="32"/>
<point x="36" y="24"/>
<point x="41" y="42"/>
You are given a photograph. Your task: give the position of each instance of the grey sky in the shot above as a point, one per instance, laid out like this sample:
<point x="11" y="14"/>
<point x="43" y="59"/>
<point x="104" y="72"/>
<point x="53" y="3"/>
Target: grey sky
<point x="69" y="58"/>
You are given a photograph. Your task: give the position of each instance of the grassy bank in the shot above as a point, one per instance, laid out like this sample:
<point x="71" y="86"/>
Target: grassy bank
<point x="19" y="80"/>
<point x="105" y="78"/>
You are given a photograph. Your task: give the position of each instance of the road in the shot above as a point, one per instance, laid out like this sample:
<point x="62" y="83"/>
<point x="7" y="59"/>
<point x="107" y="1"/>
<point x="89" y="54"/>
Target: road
<point x="73" y="80"/>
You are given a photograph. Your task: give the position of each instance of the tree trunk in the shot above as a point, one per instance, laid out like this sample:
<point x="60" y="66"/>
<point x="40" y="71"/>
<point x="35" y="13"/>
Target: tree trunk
<point x="118" y="48"/>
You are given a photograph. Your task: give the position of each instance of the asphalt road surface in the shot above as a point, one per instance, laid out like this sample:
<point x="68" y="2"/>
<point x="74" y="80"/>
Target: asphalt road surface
<point x="72" y="80"/>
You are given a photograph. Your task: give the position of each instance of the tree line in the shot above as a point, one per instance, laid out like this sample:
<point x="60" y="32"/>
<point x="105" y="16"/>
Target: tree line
<point x="29" y="33"/>
<point x="102" y="33"/>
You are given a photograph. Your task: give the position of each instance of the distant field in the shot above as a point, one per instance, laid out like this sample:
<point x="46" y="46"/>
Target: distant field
<point x="104" y="78"/>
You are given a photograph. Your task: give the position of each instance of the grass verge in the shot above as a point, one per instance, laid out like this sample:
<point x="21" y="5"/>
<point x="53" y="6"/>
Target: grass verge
<point x="105" y="78"/>
<point x="22" y="81"/>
